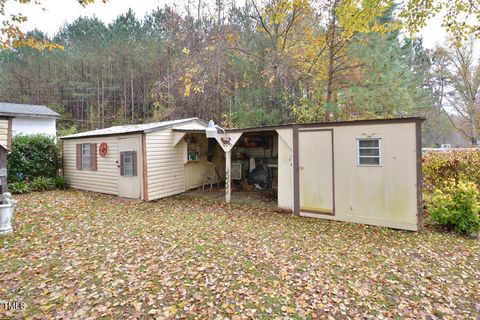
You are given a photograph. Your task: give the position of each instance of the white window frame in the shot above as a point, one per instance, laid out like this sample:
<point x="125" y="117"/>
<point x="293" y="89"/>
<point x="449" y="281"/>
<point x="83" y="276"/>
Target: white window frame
<point x="88" y="155"/>
<point x="380" y="153"/>
<point x="129" y="155"/>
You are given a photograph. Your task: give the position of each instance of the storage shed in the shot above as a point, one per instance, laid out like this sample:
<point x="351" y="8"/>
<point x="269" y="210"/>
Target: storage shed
<point x="364" y="171"/>
<point x="144" y="161"/>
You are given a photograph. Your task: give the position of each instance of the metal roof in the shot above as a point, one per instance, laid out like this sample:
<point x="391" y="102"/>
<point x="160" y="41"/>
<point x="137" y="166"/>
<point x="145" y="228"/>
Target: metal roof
<point x="17" y="109"/>
<point x="129" y="128"/>
<point x="158" y="125"/>
<point x="328" y="124"/>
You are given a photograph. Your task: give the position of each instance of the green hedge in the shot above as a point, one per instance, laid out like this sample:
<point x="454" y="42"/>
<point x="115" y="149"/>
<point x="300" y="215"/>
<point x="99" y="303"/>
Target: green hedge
<point x="456" y="206"/>
<point x="451" y="182"/>
<point x="32" y="157"/>
<point x="441" y="167"/>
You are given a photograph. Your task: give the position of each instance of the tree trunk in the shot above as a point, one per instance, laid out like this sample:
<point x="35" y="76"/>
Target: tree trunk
<point x="145" y="93"/>
<point x="473" y="129"/>
<point x="131" y="91"/>
<point x="98" y="101"/>
<point x="103" y="103"/>
<point x="124" y="101"/>
<point x="331" y="59"/>
<point x="331" y="56"/>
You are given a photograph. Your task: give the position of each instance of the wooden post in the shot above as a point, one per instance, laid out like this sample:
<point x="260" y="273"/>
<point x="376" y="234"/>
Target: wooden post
<point x="228" y="181"/>
<point x="227" y="142"/>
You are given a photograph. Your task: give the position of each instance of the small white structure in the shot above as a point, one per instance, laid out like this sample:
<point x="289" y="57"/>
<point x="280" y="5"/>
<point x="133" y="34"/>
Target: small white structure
<point x="30" y="119"/>
<point x="144" y="161"/>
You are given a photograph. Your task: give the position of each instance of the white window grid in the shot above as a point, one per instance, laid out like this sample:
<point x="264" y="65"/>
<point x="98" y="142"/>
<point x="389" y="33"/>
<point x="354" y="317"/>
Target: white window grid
<point x="379" y="148"/>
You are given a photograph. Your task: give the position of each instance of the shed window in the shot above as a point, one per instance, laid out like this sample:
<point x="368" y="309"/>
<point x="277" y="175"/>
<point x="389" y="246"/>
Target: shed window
<point x="369" y="152"/>
<point x="86" y="156"/>
<point x="128" y="163"/>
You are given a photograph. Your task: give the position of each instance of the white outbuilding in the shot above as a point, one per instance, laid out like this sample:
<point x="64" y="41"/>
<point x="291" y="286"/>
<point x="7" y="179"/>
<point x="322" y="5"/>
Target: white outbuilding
<point x="30" y="118"/>
<point x="144" y="161"/>
<point x="363" y="171"/>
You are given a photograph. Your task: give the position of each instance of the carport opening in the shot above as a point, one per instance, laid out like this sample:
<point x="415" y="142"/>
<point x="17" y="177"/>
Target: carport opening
<point x="254" y="171"/>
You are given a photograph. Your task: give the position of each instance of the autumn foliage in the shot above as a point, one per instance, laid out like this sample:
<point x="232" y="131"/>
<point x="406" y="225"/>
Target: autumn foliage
<point x="439" y="168"/>
<point x="456" y="206"/>
<point x="451" y="183"/>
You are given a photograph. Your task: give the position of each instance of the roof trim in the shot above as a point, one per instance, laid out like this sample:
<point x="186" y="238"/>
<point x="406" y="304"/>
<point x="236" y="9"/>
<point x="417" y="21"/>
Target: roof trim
<point x="31" y="115"/>
<point x="102" y="135"/>
<point x="330" y="124"/>
<point x="189" y="130"/>
<point x="181" y="122"/>
<point x="27" y="110"/>
<point x="175" y="124"/>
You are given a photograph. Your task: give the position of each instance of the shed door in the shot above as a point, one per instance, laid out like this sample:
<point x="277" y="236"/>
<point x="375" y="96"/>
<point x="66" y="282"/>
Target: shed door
<point x="315" y="159"/>
<point x="129" y="161"/>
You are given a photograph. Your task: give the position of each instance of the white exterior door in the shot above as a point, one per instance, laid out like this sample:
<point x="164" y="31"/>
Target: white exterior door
<point x="315" y="159"/>
<point x="129" y="161"/>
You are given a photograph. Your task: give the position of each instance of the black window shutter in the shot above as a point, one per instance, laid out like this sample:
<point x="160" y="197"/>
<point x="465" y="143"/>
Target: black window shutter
<point x="79" y="156"/>
<point x="93" y="156"/>
<point x="122" y="164"/>
<point x="134" y="163"/>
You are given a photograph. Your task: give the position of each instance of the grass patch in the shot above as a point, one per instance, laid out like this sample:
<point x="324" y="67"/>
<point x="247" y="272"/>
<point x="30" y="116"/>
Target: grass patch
<point x="78" y="255"/>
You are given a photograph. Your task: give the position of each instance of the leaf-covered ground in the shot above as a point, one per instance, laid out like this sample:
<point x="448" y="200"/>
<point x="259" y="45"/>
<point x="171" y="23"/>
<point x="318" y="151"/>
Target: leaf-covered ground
<point x="83" y="255"/>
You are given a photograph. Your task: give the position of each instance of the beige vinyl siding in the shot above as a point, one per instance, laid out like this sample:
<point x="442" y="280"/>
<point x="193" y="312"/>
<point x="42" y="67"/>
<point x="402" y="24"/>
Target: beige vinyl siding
<point x="105" y="179"/>
<point x="4" y="133"/>
<point x="165" y="171"/>
<point x="196" y="124"/>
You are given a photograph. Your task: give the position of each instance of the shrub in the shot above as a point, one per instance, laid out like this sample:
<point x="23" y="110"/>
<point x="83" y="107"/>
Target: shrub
<point x="41" y="184"/>
<point x="60" y="182"/>
<point x="33" y="156"/>
<point x="439" y="168"/>
<point x="19" y="187"/>
<point x="456" y="206"/>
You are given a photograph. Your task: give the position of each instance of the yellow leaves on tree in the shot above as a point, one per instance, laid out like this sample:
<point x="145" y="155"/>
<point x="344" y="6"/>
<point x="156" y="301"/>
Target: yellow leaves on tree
<point x="188" y="80"/>
<point x="461" y="18"/>
<point x="361" y="16"/>
<point x="11" y="35"/>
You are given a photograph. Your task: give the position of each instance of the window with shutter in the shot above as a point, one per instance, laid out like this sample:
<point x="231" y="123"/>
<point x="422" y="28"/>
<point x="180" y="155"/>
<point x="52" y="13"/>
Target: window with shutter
<point x="86" y="158"/>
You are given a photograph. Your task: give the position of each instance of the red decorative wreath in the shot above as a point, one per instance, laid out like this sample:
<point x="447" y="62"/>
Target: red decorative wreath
<point x="103" y="149"/>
